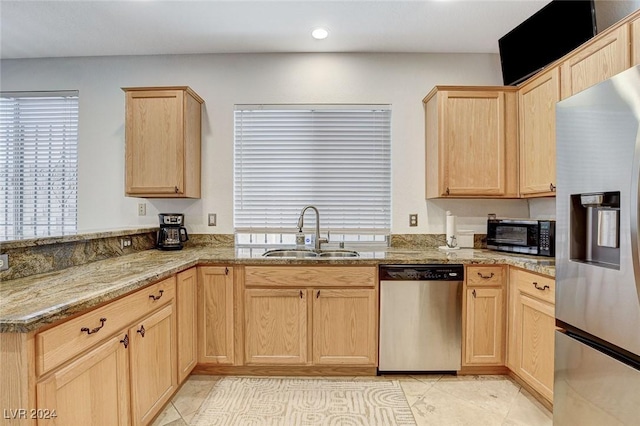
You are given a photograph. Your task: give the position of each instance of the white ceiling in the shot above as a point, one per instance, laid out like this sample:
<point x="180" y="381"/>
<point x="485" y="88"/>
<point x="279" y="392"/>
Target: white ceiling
<point x="36" y="29"/>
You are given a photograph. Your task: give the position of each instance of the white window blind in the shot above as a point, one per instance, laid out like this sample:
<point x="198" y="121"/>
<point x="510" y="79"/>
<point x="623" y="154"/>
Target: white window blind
<point x="335" y="158"/>
<point x="38" y="163"/>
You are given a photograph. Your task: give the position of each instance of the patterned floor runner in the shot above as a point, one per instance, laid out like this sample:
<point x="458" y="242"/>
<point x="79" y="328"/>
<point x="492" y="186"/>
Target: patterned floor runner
<point x="304" y="401"/>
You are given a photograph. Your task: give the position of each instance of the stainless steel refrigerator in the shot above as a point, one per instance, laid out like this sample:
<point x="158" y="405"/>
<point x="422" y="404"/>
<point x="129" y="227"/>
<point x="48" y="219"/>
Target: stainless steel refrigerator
<point x="597" y="350"/>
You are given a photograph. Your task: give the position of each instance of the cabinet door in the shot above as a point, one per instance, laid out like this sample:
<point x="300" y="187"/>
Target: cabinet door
<point x="534" y="338"/>
<point x="473" y="143"/>
<point x="275" y="326"/>
<point x="186" y="310"/>
<point x="538" y="99"/>
<point x="215" y="315"/>
<point x="92" y="390"/>
<point x="155" y="148"/>
<point x="484" y="326"/>
<point x="344" y="327"/>
<point x="154" y="375"/>
<point x="597" y="61"/>
<point x="635" y="41"/>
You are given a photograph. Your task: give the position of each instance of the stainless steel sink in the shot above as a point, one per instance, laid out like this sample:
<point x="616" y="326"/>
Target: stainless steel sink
<point x="338" y="253"/>
<point x="303" y="253"/>
<point x="290" y="253"/>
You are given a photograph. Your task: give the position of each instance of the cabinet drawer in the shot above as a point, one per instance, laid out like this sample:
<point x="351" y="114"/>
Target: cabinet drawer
<point x="63" y="342"/>
<point x="485" y="275"/>
<point x="538" y="286"/>
<point x="310" y="276"/>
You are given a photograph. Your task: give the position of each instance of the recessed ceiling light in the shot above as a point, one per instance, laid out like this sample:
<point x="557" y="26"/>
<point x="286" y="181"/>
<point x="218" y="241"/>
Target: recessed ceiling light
<point x="319" y="33"/>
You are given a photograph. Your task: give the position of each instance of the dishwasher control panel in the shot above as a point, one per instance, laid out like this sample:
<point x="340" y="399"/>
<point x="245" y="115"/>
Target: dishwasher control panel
<point x="436" y="272"/>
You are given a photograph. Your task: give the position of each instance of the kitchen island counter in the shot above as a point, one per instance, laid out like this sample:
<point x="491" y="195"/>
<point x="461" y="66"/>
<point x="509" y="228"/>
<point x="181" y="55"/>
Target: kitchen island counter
<point x="29" y="303"/>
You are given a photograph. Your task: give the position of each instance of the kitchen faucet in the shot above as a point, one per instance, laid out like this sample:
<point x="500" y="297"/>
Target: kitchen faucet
<point x="301" y="224"/>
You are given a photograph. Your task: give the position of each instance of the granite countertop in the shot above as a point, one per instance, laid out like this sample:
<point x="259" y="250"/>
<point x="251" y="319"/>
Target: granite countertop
<point x="29" y="303"/>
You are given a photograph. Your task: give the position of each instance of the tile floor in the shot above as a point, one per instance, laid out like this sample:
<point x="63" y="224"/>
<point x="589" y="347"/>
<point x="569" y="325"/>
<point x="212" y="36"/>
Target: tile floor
<point x="434" y="400"/>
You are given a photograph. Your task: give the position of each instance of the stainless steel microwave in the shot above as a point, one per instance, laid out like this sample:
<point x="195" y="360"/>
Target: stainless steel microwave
<point x="526" y="236"/>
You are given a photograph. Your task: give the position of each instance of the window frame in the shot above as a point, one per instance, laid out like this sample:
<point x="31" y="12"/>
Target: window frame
<point x="39" y="178"/>
<point x="284" y="234"/>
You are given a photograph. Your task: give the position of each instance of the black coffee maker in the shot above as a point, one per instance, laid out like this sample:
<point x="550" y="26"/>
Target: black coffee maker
<point x="171" y="234"/>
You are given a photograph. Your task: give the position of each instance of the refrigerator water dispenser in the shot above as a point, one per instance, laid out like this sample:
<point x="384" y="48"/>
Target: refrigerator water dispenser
<point x="595" y="229"/>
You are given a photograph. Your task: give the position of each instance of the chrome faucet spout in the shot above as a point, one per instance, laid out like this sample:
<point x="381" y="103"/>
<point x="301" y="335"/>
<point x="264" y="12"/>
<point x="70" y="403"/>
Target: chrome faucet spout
<point x="319" y="240"/>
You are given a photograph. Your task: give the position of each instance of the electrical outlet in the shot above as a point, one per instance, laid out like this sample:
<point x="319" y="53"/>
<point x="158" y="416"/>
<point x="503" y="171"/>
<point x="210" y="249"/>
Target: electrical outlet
<point x="4" y="262"/>
<point x="125" y="242"/>
<point x="142" y="209"/>
<point x="212" y="219"/>
<point x="413" y="219"/>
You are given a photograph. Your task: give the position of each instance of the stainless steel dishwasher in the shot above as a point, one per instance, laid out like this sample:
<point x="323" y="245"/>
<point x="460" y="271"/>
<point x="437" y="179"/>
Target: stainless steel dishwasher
<point x="420" y="318"/>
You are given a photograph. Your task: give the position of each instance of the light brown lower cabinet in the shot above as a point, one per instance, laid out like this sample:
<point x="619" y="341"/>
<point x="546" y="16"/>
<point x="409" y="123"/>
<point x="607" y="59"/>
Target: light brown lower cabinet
<point x="484" y="316"/>
<point x="92" y="390"/>
<point x="125" y="376"/>
<point x="187" y="319"/>
<point x="307" y="319"/>
<point x="216" y="315"/>
<point x="344" y="326"/>
<point x="275" y="326"/>
<point x="531" y="329"/>
<point x="153" y="364"/>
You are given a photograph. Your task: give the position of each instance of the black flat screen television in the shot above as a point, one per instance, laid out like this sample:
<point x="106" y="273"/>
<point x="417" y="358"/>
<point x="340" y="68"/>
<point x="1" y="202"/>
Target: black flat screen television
<point x="549" y="34"/>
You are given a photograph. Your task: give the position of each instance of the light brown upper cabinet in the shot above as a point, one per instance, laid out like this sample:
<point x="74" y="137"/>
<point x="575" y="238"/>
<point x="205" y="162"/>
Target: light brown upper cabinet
<point x="537" y="100"/>
<point x="597" y="60"/>
<point x="635" y="41"/>
<point x="162" y="142"/>
<point x="471" y="142"/>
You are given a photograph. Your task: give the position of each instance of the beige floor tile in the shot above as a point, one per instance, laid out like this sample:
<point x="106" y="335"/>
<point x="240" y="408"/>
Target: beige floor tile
<point x="415" y="390"/>
<point x="179" y="422"/>
<point x="427" y="378"/>
<point x="192" y="394"/>
<point x="437" y="407"/>
<point x="527" y="411"/>
<point x="170" y="414"/>
<point x="495" y="395"/>
<point x="398" y="377"/>
<point x="475" y="377"/>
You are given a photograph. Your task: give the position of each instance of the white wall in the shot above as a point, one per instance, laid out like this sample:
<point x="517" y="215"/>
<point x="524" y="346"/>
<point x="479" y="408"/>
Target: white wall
<point x="401" y="80"/>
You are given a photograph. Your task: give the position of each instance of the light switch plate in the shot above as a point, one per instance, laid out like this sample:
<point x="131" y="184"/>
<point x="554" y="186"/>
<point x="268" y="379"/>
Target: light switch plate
<point x="212" y="219"/>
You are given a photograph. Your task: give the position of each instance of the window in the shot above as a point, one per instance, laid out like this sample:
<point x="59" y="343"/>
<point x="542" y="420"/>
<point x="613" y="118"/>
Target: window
<point x="336" y="158"/>
<point x="38" y="163"/>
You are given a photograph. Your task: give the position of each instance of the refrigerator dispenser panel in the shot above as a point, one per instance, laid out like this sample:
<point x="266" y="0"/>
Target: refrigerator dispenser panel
<point x="595" y="229"/>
